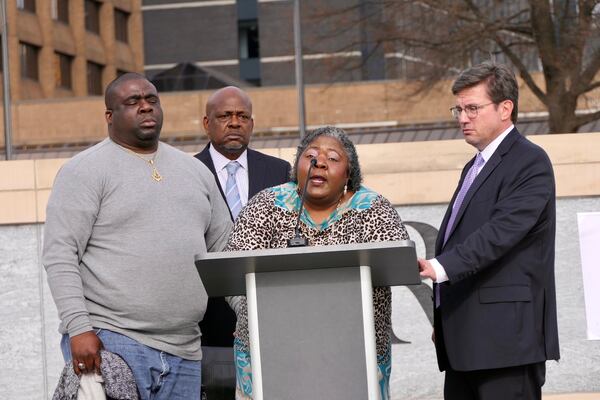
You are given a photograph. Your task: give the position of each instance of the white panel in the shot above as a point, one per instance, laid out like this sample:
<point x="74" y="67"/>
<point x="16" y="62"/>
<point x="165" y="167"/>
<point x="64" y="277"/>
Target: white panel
<point x="589" y="238"/>
<point x="257" y="392"/>
<point x="369" y="331"/>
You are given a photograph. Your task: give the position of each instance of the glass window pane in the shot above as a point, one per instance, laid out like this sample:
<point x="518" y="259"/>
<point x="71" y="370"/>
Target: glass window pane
<point x="28" y="55"/>
<point x="60" y="10"/>
<point x="121" y="18"/>
<point x="62" y="70"/>
<point x="92" y="16"/>
<point x="94" y="78"/>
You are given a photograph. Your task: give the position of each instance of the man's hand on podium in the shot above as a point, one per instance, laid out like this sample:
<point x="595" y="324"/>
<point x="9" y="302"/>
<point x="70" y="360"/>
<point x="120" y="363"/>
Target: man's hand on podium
<point x="426" y="269"/>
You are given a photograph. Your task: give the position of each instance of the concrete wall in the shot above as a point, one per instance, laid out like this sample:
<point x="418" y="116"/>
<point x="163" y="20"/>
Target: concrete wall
<point x="417" y="177"/>
<point x="29" y="342"/>
<point x="406" y="173"/>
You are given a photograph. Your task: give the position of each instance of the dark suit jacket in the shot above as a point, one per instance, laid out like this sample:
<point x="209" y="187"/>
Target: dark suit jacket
<point x="498" y="308"/>
<point x="263" y="171"/>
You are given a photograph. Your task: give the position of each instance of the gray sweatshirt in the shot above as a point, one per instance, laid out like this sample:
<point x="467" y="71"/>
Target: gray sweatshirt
<point x="119" y="247"/>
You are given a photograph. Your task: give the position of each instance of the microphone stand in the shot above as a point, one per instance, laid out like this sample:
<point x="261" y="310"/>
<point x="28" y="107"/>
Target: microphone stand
<point x="298" y="240"/>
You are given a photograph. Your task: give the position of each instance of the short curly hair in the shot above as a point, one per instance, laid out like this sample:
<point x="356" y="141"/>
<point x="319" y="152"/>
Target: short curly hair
<point x="354" y="174"/>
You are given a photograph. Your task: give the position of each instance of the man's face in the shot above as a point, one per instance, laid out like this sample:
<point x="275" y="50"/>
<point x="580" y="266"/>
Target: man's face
<point x="229" y="123"/>
<point x="490" y="119"/>
<point x="136" y="117"/>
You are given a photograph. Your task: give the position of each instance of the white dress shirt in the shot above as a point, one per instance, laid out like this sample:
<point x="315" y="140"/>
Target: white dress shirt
<point x="241" y="176"/>
<point x="486" y="154"/>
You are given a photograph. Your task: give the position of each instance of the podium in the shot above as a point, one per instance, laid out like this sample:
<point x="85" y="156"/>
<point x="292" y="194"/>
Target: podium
<point x="310" y="313"/>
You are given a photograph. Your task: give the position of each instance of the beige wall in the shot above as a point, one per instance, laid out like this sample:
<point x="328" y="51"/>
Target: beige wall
<point x="71" y="120"/>
<point x="406" y="173"/>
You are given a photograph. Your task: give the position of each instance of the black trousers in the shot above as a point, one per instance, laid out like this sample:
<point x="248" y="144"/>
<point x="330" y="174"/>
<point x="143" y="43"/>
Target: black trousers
<point x="523" y="382"/>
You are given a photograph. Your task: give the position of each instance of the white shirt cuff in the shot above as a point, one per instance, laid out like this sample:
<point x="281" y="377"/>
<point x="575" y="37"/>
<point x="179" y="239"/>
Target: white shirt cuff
<point x="440" y="272"/>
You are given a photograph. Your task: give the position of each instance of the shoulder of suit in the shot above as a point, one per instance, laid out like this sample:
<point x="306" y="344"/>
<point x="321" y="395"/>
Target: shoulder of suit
<point x="523" y="151"/>
<point x="203" y="154"/>
<point x="527" y="144"/>
<point x="266" y="157"/>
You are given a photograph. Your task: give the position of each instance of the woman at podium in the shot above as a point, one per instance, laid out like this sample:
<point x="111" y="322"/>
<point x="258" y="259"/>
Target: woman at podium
<point x="337" y="210"/>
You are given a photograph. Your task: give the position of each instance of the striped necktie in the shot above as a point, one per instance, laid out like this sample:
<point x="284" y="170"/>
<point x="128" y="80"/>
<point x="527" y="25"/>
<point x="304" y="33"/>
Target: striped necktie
<point x="232" y="194"/>
<point x="469" y="179"/>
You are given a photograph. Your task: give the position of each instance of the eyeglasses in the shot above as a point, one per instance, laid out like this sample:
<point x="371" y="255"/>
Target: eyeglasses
<point x="472" y="110"/>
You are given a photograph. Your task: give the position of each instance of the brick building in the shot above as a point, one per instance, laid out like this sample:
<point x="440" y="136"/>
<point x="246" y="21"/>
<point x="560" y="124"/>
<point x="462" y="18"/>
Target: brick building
<point x="63" y="48"/>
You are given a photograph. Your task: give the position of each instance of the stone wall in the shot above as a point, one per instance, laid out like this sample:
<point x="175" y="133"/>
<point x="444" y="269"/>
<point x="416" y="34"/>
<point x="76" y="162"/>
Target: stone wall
<point x="417" y="177"/>
<point x="29" y="342"/>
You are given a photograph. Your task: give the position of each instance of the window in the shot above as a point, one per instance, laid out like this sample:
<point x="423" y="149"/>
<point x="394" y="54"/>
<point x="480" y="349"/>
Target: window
<point x="60" y="10"/>
<point x="62" y="70"/>
<point x="26" y="5"/>
<point x="121" y="18"/>
<point x="29" y="61"/>
<point x="248" y="39"/>
<point x="94" y="78"/>
<point x="249" y="51"/>
<point x="92" y="16"/>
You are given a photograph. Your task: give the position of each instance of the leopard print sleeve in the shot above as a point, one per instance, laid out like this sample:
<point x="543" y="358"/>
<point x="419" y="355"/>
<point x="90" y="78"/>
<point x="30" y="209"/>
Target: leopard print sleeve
<point x="382" y="223"/>
<point x="253" y="227"/>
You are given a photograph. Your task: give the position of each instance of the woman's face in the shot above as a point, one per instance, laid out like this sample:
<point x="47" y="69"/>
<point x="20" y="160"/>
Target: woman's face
<point x="329" y="176"/>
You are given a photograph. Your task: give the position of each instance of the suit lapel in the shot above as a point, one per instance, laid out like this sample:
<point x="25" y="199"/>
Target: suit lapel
<point x="488" y="168"/>
<point x="205" y="157"/>
<point x="440" y="238"/>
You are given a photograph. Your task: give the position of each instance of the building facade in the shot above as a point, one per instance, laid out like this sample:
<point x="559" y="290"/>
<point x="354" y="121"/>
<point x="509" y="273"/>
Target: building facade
<point x="253" y="40"/>
<point x="342" y="40"/>
<point x="63" y="48"/>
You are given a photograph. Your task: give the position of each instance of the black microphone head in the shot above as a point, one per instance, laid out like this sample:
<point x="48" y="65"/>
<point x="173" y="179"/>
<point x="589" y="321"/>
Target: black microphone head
<point x="313" y="161"/>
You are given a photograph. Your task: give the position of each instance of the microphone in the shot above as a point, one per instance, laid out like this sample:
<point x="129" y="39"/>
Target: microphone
<point x="298" y="240"/>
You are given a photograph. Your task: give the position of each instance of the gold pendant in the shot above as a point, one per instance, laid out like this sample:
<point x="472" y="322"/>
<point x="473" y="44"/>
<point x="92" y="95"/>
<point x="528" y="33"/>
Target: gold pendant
<point x="155" y="175"/>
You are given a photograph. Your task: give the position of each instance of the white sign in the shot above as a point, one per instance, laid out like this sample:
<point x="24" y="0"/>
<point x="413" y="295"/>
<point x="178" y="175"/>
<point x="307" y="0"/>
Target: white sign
<point x="589" y="246"/>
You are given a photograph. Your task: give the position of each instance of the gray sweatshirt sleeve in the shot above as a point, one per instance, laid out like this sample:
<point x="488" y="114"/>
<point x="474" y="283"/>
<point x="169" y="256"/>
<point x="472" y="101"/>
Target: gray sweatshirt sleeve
<point x="71" y="212"/>
<point x="218" y="231"/>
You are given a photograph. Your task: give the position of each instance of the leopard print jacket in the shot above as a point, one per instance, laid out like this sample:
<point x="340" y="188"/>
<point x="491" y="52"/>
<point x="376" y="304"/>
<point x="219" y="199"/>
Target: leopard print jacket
<point x="268" y="221"/>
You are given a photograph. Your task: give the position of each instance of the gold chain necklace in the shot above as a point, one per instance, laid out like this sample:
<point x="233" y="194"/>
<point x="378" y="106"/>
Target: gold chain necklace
<point x="155" y="174"/>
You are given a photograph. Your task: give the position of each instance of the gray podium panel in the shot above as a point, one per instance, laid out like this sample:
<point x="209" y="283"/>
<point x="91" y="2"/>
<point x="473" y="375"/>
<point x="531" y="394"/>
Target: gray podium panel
<point x="310" y="313"/>
<point x="392" y="264"/>
<point x="319" y="352"/>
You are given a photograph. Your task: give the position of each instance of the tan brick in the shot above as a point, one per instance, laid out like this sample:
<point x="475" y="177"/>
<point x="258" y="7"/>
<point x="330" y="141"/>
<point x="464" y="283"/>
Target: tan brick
<point x="17" y="175"/>
<point x="45" y="172"/>
<point x="18" y="207"/>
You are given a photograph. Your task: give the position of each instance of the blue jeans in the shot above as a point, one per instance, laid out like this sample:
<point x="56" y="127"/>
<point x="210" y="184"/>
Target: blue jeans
<point x="158" y="375"/>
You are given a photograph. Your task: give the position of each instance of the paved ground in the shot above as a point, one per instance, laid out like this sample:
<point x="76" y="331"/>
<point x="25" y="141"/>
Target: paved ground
<point x="573" y="396"/>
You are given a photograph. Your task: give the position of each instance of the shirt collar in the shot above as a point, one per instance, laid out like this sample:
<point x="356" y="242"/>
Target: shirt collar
<point x="220" y="161"/>
<point x="486" y="153"/>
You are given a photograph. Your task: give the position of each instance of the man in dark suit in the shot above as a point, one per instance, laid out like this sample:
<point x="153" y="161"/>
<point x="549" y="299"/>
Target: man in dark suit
<point x="228" y="123"/>
<point x="495" y="319"/>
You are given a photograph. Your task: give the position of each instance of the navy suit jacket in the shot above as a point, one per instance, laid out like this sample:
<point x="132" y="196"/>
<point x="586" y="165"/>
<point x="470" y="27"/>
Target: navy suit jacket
<point x="264" y="171"/>
<point x="498" y="308"/>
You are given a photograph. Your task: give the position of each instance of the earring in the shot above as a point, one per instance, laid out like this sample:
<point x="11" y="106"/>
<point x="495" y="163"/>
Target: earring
<point x="345" y="189"/>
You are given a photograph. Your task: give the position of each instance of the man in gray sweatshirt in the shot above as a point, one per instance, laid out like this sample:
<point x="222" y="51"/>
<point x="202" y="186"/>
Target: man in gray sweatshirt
<point x="124" y="221"/>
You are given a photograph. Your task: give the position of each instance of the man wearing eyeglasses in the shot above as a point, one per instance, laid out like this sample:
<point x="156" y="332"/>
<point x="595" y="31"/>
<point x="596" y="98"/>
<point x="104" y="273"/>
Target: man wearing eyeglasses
<point x="240" y="173"/>
<point x="495" y="319"/>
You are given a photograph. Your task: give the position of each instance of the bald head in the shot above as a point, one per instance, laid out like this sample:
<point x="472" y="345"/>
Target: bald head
<point x="109" y="93"/>
<point x="228" y="121"/>
<point x="223" y="95"/>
